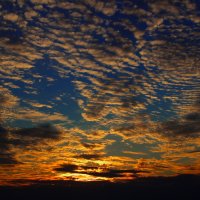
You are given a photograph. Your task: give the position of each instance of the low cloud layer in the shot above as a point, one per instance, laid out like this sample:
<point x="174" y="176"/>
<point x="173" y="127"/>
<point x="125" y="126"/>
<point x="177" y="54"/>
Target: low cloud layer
<point x="96" y="171"/>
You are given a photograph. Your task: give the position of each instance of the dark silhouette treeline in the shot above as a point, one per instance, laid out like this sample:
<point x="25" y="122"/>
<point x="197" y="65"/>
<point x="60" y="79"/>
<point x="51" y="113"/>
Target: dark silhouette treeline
<point x="179" y="187"/>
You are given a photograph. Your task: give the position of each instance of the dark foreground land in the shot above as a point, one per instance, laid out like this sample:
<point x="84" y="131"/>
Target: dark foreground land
<point x="180" y="187"/>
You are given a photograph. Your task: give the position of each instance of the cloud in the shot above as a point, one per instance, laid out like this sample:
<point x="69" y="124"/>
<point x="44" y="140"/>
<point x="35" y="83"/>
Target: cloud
<point x="13" y="140"/>
<point x="38" y="116"/>
<point x="115" y="173"/>
<point x="96" y="171"/>
<point x="114" y="53"/>
<point x="30" y="14"/>
<point x="107" y="8"/>
<point x="159" y="6"/>
<point x="113" y="96"/>
<point x="43" y="1"/>
<point x="195" y="116"/>
<point x="8" y="103"/>
<point x="188" y="126"/>
<point x="38" y="105"/>
<point x="177" y="128"/>
<point x="3" y="137"/>
<point x="24" y="138"/>
<point x="44" y="131"/>
<point x="11" y="17"/>
<point x="66" y="168"/>
<point x="6" y="157"/>
<point x="90" y="156"/>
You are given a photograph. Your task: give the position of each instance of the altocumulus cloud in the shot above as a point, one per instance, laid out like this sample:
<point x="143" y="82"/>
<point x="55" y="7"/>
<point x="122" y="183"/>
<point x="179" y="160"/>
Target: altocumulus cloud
<point x="24" y="137"/>
<point x="188" y="126"/>
<point x="6" y="157"/>
<point x="96" y="171"/>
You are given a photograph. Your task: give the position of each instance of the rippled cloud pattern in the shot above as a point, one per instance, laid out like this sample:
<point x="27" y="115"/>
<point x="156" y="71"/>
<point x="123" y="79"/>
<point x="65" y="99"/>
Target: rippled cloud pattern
<point x="99" y="90"/>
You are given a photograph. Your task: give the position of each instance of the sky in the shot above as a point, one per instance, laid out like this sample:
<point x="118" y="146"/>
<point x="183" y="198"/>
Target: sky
<point x="94" y="90"/>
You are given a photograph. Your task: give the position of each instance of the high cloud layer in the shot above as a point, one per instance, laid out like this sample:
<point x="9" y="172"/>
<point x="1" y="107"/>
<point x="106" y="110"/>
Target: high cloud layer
<point x="102" y="84"/>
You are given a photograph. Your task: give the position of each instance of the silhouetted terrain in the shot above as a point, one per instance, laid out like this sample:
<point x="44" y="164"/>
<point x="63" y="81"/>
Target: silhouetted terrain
<point x="180" y="187"/>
